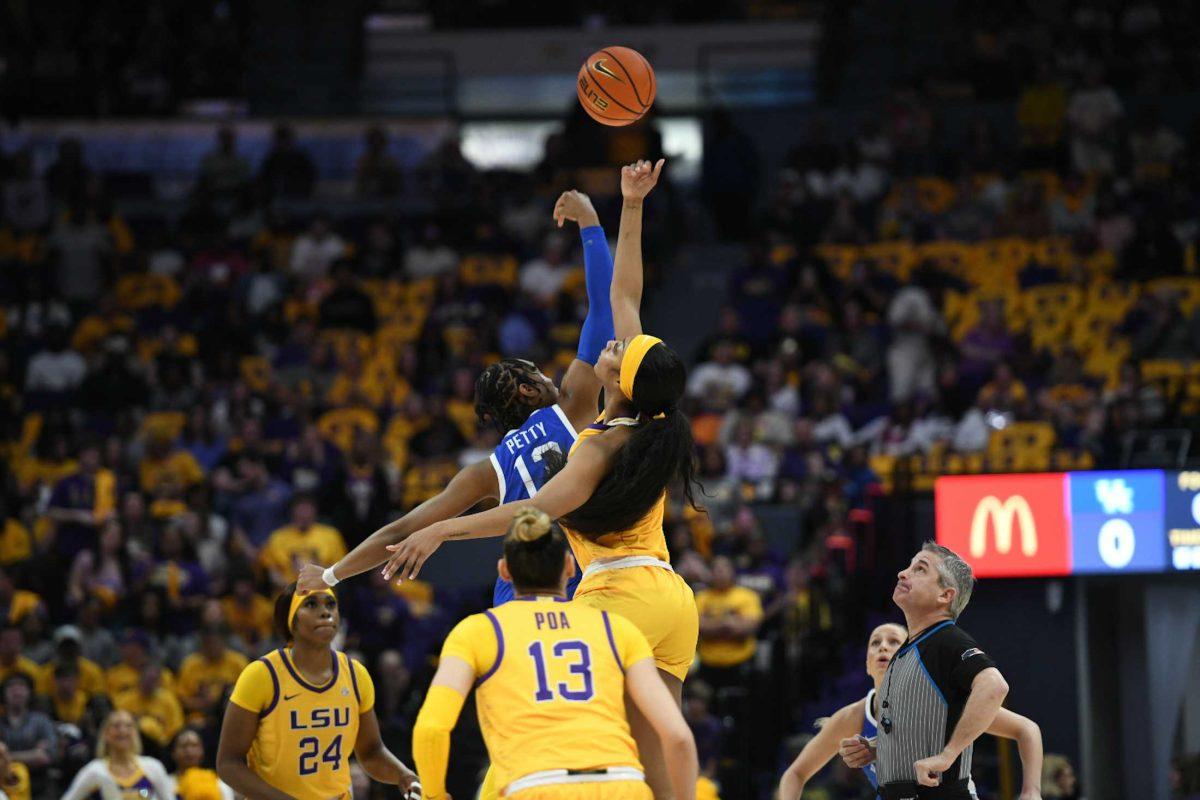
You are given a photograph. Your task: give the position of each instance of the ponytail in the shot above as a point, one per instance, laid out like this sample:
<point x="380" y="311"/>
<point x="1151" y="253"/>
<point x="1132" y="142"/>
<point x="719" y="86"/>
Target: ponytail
<point x="660" y="450"/>
<point x="534" y="549"/>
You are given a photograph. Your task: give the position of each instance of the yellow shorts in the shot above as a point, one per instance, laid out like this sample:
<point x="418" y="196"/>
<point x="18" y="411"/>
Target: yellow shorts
<point x="658" y="602"/>
<point x="607" y="790"/>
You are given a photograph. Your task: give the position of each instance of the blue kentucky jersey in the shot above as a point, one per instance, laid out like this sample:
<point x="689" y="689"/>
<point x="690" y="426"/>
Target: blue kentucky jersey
<point x="521" y="468"/>
<point x="869" y="731"/>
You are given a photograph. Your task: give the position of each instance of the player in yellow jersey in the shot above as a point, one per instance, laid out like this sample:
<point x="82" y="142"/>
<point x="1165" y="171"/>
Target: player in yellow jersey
<point x="297" y="714"/>
<point x="552" y="676"/>
<point x="611" y="493"/>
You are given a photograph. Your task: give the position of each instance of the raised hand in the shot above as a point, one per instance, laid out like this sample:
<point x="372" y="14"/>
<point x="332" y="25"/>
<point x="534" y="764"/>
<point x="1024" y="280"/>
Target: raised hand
<point x="639" y="178"/>
<point x="575" y="206"/>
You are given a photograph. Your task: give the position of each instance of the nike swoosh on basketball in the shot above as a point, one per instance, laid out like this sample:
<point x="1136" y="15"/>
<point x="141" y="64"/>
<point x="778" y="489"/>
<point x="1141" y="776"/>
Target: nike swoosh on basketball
<point x="287" y="697"/>
<point x="599" y="67"/>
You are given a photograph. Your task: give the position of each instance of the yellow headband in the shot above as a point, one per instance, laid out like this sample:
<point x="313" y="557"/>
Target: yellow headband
<point x="298" y="598"/>
<point x="632" y="360"/>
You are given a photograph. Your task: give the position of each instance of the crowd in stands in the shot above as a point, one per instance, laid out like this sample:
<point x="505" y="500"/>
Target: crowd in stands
<point x="192" y="412"/>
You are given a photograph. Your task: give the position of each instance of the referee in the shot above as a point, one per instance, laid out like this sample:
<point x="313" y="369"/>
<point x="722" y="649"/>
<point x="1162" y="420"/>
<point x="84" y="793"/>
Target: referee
<point x="941" y="691"/>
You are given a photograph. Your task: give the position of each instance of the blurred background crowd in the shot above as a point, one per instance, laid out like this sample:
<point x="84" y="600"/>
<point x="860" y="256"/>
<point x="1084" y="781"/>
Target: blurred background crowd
<point x="193" y="407"/>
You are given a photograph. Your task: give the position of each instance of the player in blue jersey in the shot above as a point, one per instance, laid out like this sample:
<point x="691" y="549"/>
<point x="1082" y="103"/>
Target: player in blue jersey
<point x="858" y="719"/>
<point x="517" y="399"/>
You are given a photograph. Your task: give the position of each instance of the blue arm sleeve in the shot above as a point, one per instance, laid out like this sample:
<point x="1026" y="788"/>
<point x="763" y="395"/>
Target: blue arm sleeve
<point x="597" y="328"/>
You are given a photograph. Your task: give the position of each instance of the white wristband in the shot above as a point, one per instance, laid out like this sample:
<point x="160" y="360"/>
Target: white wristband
<point x="330" y="579"/>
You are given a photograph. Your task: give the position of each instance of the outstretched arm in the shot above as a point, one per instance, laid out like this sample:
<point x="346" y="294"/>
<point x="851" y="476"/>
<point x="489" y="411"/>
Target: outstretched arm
<point x="820" y="750"/>
<point x="580" y="388"/>
<point x="636" y="182"/>
<point x="471" y="485"/>
<point x="562" y="494"/>
<point x="1029" y="744"/>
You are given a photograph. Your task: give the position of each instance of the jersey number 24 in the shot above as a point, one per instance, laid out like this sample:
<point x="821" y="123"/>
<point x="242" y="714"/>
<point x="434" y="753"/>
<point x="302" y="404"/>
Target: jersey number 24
<point x="310" y="747"/>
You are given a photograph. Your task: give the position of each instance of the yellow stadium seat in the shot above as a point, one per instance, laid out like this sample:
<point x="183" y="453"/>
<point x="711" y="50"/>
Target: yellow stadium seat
<point x="839" y="257"/>
<point x="1170" y="374"/>
<point x="896" y="258"/>
<point x="1022" y="446"/>
<point x="341" y="424"/>
<point x="481" y="269"/>
<point x="170" y="423"/>
<point x="1056" y="298"/>
<point x="1188" y="290"/>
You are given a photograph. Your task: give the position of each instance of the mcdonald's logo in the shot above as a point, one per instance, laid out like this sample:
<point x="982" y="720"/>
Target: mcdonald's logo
<point x="1006" y="525"/>
<point x="1002" y="516"/>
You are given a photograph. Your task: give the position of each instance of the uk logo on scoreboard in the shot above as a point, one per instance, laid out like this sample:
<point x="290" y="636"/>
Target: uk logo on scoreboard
<point x="1116" y="521"/>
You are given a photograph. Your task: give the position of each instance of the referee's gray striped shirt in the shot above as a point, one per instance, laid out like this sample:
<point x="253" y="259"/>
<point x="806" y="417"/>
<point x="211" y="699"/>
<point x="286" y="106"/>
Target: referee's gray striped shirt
<point x="919" y="713"/>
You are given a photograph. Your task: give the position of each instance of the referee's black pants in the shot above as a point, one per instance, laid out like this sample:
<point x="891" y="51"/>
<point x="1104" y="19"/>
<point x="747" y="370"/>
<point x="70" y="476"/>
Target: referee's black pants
<point x="911" y="790"/>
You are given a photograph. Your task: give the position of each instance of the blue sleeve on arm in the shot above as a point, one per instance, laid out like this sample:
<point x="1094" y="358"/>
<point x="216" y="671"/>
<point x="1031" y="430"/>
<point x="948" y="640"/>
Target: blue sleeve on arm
<point x="597" y="328"/>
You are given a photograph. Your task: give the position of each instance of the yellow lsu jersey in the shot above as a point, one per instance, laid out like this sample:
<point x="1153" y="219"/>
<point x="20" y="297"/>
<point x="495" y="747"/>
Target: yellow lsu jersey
<point x="551" y="688"/>
<point x="644" y="538"/>
<point x="306" y="733"/>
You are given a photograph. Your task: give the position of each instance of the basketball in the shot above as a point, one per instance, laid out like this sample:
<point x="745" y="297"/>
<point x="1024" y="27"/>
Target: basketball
<point x="616" y="86"/>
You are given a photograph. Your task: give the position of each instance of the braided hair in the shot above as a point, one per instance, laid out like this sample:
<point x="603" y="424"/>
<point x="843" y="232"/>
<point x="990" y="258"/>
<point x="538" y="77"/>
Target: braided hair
<point x="498" y="402"/>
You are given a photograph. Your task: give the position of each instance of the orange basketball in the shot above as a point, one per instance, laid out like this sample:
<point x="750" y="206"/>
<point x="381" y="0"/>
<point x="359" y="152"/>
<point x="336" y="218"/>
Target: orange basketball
<point x="616" y="86"/>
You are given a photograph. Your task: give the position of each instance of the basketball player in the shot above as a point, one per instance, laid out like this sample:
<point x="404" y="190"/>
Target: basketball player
<point x="611" y="493"/>
<point x="535" y="417"/>
<point x="297" y="714"/>
<point x="552" y="676"/>
<point x="858" y="719"/>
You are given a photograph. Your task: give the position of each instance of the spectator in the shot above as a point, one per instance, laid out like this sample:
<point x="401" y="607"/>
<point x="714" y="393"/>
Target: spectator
<point x="722" y="373"/>
<point x="12" y="661"/>
<point x="287" y="171"/>
<point x="14" y="776"/>
<point x="157" y="711"/>
<point x="915" y="322"/>
<point x="68" y="644"/>
<point x="1058" y="778"/>
<point x="191" y="780"/>
<point x="207" y="675"/>
<point x="247" y="612"/>
<point x="135" y="655"/>
<point x="55" y="371"/>
<point x="29" y="734"/>
<point x="729" y="619"/>
<point x="99" y="571"/>
<point x="224" y="173"/>
<point x="430" y="257"/>
<point x="986" y="344"/>
<point x="262" y="502"/>
<point x="543" y="277"/>
<point x="1041" y="112"/>
<point x="81" y="246"/>
<point x="1093" y="112"/>
<point x="81" y="503"/>
<point x="377" y="174"/>
<point x="304" y="541"/>
<point x="751" y="462"/>
<point x="315" y="251"/>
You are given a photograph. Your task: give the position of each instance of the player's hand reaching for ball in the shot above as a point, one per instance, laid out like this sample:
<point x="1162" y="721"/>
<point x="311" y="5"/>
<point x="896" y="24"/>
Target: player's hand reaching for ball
<point x="639" y="178"/>
<point x="576" y="207"/>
